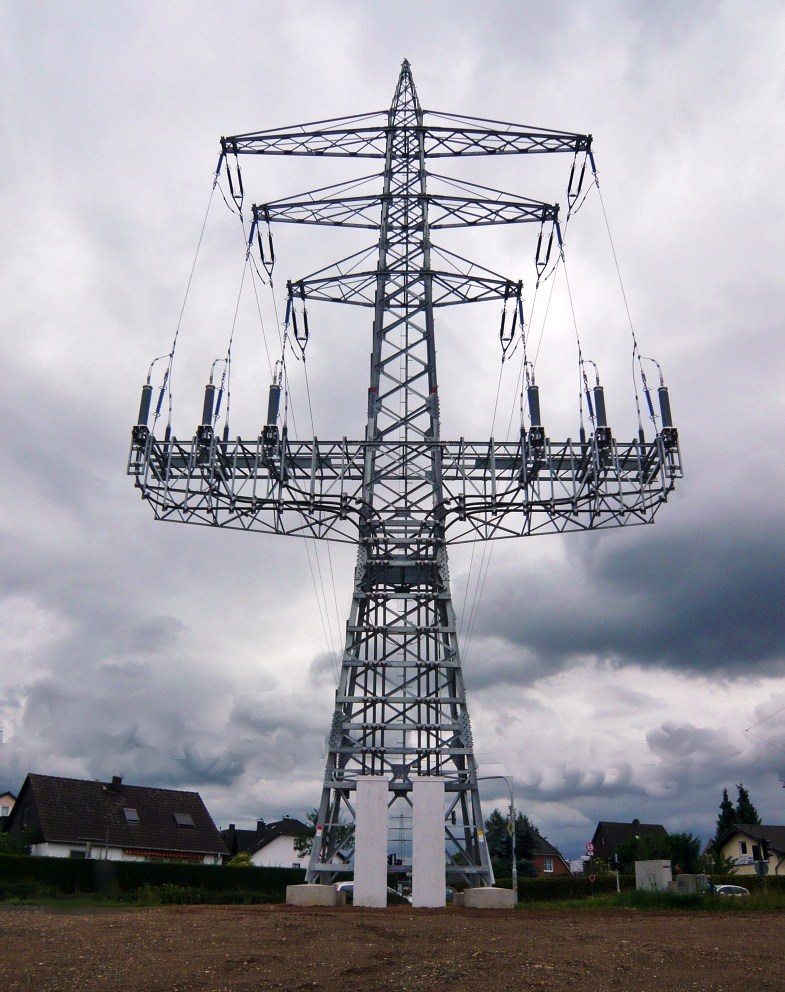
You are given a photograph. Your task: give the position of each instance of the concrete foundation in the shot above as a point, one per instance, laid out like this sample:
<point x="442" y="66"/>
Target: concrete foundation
<point x="488" y="898"/>
<point x="314" y="895"/>
<point x="370" y="842"/>
<point x="428" y="860"/>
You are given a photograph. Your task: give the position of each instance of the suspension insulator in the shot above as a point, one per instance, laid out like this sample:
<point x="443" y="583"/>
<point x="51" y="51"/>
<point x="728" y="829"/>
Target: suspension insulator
<point x="647" y="393"/>
<point x="144" y="405"/>
<point x="207" y="409"/>
<point x="599" y="406"/>
<point x="534" y="405"/>
<point x="665" y="406"/>
<point x="273" y="403"/>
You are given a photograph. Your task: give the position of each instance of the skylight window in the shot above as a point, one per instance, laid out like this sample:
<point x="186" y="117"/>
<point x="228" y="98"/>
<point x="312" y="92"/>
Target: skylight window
<point x="184" y="819"/>
<point x="131" y="815"/>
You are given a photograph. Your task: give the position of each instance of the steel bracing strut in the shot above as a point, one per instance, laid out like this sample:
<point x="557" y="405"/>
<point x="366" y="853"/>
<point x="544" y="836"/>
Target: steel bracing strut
<point x="402" y="493"/>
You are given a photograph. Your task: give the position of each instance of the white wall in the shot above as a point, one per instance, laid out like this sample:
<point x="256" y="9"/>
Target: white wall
<point x="99" y="853"/>
<point x="279" y="853"/>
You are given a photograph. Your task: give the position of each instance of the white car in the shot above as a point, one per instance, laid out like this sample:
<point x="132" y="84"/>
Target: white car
<point x="731" y="890"/>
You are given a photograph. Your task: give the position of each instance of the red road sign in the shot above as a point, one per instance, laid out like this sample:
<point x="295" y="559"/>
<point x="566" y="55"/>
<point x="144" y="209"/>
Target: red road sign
<point x="590" y="848"/>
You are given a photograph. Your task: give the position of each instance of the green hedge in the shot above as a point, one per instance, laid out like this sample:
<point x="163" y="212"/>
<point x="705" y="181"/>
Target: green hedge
<point x="566" y="887"/>
<point x="118" y="879"/>
<point x="579" y="887"/>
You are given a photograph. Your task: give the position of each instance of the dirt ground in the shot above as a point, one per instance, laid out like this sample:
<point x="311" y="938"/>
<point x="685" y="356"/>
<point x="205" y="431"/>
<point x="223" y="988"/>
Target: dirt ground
<point x="259" y="948"/>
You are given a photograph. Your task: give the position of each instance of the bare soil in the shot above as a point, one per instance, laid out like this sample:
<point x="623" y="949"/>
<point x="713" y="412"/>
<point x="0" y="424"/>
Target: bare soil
<point x="259" y="948"/>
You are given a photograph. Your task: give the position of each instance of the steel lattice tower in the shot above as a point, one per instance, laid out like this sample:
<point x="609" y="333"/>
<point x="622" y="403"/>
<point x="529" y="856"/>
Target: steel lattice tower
<point x="402" y="493"/>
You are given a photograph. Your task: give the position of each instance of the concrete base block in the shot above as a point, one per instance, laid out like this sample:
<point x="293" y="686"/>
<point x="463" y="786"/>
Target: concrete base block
<point x="489" y="898"/>
<point x="314" y="895"/>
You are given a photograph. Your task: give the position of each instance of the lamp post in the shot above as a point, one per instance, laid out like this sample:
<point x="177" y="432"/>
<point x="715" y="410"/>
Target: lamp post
<point x="504" y="778"/>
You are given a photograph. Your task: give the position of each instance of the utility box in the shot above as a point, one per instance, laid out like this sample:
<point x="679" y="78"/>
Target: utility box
<point x="689" y="884"/>
<point x="653" y="876"/>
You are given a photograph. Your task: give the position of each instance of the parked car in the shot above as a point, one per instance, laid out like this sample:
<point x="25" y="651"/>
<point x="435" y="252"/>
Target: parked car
<point x="731" y="890"/>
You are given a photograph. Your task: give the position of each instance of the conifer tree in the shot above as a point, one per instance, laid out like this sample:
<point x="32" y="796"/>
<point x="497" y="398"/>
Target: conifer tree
<point x="726" y="819"/>
<point x="745" y="811"/>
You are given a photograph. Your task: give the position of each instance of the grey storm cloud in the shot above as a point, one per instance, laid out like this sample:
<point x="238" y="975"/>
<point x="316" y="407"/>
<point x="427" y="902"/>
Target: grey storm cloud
<point x="708" y="602"/>
<point x="188" y="657"/>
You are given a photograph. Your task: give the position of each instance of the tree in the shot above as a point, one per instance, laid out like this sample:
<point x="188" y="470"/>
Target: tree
<point x="647" y="847"/>
<point x="745" y="811"/>
<point x="497" y="837"/>
<point x="725" y="820"/>
<point x="684" y="851"/>
<point x="304" y="842"/>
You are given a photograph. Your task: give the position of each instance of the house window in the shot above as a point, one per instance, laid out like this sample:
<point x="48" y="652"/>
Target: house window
<point x="295" y="864"/>
<point x="743" y="846"/>
<point x="183" y="819"/>
<point x="547" y="864"/>
<point x="5" y="810"/>
<point x="131" y="815"/>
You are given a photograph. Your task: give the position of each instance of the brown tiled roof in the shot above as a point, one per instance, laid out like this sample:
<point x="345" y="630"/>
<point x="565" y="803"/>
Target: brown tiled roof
<point x="74" y="811"/>
<point x="543" y="848"/>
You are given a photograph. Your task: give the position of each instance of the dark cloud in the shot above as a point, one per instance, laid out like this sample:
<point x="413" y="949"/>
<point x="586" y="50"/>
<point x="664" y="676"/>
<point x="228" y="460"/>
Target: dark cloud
<point x="186" y="657"/>
<point x="708" y="601"/>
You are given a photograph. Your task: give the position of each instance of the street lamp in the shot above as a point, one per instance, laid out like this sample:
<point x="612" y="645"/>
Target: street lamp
<point x="503" y="778"/>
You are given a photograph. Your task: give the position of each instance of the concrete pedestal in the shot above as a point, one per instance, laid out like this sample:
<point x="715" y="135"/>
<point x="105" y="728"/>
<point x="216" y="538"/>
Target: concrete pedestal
<point x="370" y="842"/>
<point x="488" y="898"/>
<point x="314" y="895"/>
<point x="428" y="860"/>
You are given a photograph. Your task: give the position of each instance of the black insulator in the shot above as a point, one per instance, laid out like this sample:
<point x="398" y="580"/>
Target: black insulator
<point x="641" y="436"/>
<point x="665" y="407"/>
<point x="160" y="403"/>
<point x="534" y="405"/>
<point x="144" y="405"/>
<point x="649" y="403"/>
<point x="582" y="435"/>
<point x="273" y="402"/>
<point x="207" y="409"/>
<point x="599" y="406"/>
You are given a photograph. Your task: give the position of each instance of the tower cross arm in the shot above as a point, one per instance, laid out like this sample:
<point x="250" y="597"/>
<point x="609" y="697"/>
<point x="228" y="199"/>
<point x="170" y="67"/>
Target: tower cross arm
<point x="443" y="211"/>
<point x="490" y="489"/>
<point x="367" y="137"/>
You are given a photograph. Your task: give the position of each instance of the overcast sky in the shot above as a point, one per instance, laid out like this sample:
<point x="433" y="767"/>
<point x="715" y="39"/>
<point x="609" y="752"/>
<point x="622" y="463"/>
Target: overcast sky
<point x="613" y="675"/>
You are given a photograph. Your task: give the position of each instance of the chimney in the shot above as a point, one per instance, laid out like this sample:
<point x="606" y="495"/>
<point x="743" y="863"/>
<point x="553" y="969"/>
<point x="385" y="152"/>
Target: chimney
<point x="232" y="826"/>
<point x="636" y="823"/>
<point x="117" y="783"/>
<point x="260" y="826"/>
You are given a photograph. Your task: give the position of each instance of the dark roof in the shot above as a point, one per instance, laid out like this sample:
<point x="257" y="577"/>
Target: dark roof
<point x="74" y="811"/>
<point x="619" y="833"/>
<point x="281" y="828"/>
<point x="773" y="835"/>
<point x="239" y="840"/>
<point x="543" y="848"/>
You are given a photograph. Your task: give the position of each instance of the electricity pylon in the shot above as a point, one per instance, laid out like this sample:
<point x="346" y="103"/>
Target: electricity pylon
<point x="402" y="493"/>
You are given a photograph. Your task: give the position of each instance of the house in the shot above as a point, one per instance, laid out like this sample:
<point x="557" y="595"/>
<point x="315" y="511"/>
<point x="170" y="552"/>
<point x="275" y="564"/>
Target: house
<point x="271" y="844"/>
<point x="609" y="836"/>
<point x="7" y="800"/>
<point x="71" y="818"/>
<point x="547" y="860"/>
<point x="746" y="843"/>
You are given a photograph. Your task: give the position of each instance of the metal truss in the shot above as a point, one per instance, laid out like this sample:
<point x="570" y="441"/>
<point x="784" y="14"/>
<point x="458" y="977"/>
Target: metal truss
<point x="490" y="490"/>
<point x="401" y="493"/>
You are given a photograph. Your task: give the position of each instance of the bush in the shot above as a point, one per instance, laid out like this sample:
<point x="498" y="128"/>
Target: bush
<point x="124" y="879"/>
